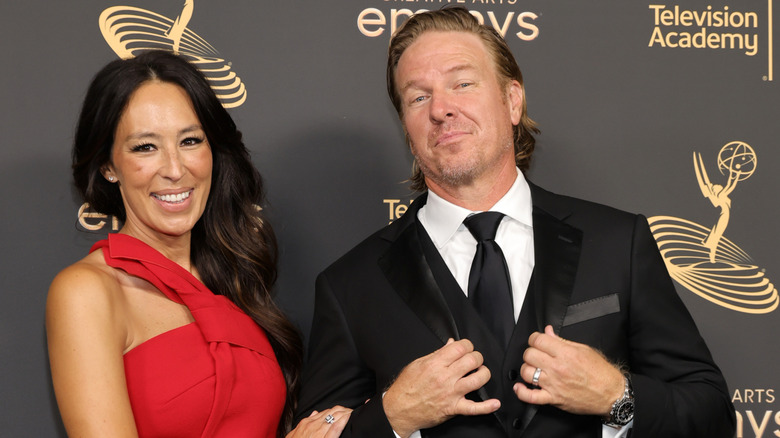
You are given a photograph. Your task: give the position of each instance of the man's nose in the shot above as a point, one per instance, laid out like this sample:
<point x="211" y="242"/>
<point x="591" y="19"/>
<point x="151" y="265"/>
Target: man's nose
<point x="442" y="107"/>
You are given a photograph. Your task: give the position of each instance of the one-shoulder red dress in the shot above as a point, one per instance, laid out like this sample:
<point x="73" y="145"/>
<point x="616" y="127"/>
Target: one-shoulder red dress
<point x="215" y="377"/>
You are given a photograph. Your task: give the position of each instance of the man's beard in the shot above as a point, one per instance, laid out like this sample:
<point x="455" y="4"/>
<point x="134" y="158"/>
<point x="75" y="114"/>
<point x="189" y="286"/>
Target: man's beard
<point x="461" y="173"/>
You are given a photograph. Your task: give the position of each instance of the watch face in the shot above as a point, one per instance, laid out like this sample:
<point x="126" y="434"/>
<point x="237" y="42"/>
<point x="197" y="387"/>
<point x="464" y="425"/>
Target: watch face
<point x="624" y="412"/>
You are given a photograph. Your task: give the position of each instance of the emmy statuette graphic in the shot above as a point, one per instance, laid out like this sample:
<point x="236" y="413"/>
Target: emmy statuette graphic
<point x="129" y="30"/>
<point x="704" y="260"/>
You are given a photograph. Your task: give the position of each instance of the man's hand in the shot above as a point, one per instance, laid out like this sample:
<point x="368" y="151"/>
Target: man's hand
<point x="432" y="389"/>
<point x="575" y="377"/>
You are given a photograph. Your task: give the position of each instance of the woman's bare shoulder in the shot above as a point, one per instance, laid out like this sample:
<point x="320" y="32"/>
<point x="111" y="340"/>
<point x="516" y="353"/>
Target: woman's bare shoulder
<point x="89" y="285"/>
<point x="86" y="331"/>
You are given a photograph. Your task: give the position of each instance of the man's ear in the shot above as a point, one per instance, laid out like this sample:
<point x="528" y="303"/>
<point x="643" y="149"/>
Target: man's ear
<point x="515" y="101"/>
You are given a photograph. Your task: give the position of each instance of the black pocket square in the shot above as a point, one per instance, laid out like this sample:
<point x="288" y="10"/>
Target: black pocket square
<point x="591" y="309"/>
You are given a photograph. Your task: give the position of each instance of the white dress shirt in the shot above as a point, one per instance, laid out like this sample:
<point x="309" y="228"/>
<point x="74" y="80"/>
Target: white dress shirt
<point x="443" y="221"/>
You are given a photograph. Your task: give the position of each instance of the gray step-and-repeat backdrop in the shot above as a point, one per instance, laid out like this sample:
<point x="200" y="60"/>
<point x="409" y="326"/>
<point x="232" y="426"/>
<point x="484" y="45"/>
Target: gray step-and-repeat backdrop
<point x="669" y="109"/>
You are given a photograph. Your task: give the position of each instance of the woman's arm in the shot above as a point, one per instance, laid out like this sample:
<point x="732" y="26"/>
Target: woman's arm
<point x="86" y="331"/>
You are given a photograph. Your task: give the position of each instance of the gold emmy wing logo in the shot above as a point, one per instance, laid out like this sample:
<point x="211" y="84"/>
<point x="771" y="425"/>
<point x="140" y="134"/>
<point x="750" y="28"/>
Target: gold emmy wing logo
<point x="704" y="261"/>
<point x="129" y="30"/>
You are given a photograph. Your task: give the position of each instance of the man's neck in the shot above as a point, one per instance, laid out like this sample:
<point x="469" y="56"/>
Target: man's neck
<point x="479" y="195"/>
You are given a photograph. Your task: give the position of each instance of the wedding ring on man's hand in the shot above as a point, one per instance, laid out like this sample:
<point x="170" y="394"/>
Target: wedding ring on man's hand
<point x="329" y="419"/>
<point x="535" y="379"/>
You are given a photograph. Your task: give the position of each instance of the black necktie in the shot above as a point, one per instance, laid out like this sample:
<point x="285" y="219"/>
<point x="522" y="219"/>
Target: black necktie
<point x="490" y="290"/>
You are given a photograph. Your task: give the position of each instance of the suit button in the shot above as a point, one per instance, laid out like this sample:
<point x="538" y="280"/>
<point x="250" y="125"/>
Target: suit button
<point x="512" y="375"/>
<point x="517" y="424"/>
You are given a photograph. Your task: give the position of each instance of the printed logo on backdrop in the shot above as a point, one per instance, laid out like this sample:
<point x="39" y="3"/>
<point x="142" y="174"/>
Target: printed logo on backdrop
<point x="728" y="28"/>
<point x="396" y="208"/>
<point x="755" y="420"/>
<point x="129" y="30"/>
<point x="93" y="221"/>
<point x="701" y="258"/>
<point x="511" y="21"/>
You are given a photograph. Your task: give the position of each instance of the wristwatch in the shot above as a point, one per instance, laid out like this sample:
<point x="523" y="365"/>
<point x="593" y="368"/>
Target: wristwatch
<point x="622" y="411"/>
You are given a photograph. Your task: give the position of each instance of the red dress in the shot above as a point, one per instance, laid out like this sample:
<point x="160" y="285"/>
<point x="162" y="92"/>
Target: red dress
<point x="215" y="377"/>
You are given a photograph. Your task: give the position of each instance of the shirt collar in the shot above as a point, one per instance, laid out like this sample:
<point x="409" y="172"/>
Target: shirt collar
<point x="442" y="218"/>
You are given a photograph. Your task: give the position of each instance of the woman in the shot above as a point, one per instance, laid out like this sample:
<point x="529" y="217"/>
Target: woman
<point x="138" y="343"/>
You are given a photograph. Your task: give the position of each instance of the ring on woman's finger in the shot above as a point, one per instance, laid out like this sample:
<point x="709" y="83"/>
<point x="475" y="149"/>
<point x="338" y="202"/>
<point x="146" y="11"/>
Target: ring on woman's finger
<point x="330" y="419"/>
<point x="537" y="374"/>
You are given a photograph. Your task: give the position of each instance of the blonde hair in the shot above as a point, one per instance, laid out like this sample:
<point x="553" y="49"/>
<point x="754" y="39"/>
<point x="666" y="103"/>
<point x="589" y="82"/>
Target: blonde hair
<point x="459" y="19"/>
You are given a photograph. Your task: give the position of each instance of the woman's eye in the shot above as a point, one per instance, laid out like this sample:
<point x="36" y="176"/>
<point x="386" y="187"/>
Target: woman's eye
<point x="148" y="147"/>
<point x="191" y="141"/>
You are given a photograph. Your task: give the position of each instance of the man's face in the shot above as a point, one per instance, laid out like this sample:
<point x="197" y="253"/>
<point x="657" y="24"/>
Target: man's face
<point x="456" y="113"/>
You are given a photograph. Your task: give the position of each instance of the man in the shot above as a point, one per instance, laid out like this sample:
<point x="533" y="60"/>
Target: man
<point x="403" y="331"/>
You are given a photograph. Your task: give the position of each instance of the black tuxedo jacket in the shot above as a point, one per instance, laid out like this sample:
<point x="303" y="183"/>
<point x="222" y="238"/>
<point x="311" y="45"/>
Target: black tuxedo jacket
<point x="598" y="279"/>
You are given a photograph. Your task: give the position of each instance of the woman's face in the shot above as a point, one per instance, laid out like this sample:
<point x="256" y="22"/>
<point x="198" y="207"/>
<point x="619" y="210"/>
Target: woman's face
<point x="162" y="162"/>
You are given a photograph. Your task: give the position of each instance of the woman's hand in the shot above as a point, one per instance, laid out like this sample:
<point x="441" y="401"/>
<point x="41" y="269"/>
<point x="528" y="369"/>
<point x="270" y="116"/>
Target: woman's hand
<point x="326" y="424"/>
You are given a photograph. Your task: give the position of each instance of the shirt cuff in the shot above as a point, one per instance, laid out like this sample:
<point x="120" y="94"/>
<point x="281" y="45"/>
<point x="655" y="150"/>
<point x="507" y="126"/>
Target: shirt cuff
<point x="416" y="434"/>
<point x="611" y="432"/>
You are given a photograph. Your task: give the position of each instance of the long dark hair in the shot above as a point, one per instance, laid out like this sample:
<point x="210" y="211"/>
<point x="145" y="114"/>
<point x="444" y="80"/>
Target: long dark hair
<point x="233" y="248"/>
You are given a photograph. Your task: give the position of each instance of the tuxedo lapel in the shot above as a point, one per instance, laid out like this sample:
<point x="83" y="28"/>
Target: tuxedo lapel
<point x="469" y="323"/>
<point x="557" y="253"/>
<point x="557" y="248"/>
<point x="556" y="258"/>
<point x="406" y="269"/>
